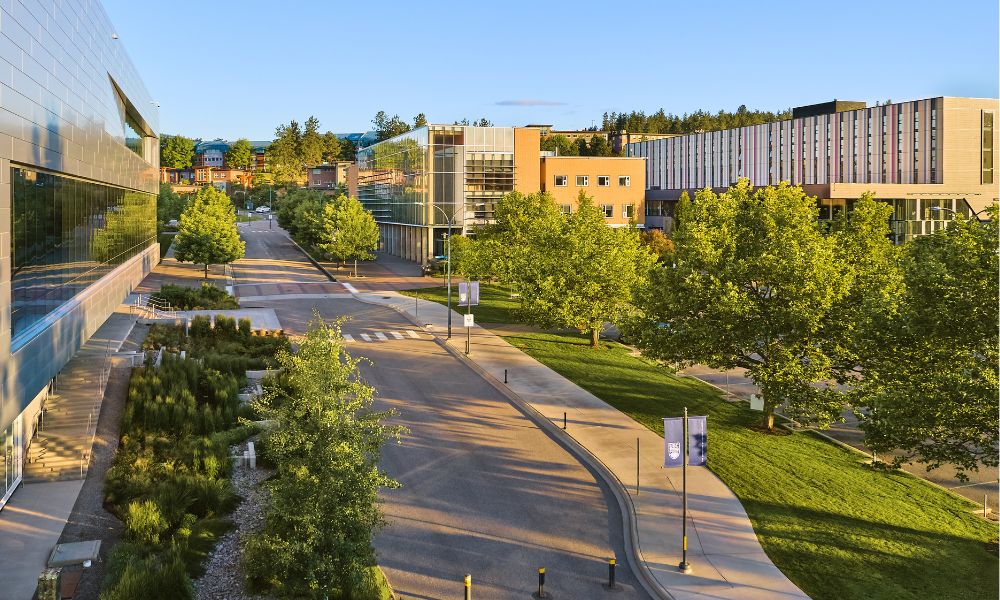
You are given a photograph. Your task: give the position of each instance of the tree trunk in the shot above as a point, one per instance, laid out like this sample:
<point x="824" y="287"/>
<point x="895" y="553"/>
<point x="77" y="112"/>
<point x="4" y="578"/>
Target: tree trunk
<point x="768" y="413"/>
<point x="595" y="336"/>
<point x="206" y="271"/>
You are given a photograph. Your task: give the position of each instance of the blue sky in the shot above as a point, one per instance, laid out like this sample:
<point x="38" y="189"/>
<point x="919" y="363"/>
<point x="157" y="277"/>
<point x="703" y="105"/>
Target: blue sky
<point x="238" y="69"/>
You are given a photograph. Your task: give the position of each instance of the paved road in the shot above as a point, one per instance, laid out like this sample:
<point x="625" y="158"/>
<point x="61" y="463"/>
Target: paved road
<point x="484" y="490"/>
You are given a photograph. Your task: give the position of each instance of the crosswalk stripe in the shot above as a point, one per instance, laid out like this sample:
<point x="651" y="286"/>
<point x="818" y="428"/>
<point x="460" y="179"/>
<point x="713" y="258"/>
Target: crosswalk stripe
<point x="396" y="335"/>
<point x="381" y="336"/>
<point x="366" y="337"/>
<point x="413" y="334"/>
<point x="347" y="337"/>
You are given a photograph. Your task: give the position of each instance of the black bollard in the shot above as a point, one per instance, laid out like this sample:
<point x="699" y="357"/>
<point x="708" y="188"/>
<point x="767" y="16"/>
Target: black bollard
<point x="564" y="420"/>
<point x="611" y="573"/>
<point x="541" y="582"/>
<point x="505" y="375"/>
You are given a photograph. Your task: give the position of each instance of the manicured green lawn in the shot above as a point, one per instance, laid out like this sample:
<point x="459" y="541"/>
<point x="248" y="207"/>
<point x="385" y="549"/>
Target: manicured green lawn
<point x="833" y="525"/>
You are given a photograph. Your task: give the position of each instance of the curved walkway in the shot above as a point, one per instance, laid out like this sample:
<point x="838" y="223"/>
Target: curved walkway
<point x="727" y="559"/>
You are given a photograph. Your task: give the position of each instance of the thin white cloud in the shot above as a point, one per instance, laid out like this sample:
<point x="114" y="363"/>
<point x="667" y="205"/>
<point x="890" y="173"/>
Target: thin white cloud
<point x="529" y="102"/>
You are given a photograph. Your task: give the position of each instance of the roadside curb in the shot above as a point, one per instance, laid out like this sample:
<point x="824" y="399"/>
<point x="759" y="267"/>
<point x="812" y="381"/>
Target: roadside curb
<point x="311" y="259"/>
<point x="630" y="532"/>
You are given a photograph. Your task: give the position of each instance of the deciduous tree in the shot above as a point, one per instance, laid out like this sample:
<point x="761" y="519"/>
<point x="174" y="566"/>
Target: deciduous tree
<point x="585" y="272"/>
<point x="241" y="156"/>
<point x="753" y="281"/>
<point x="349" y="231"/>
<point x="207" y="232"/>
<point x="658" y="243"/>
<point x="323" y="507"/>
<point x="930" y="378"/>
<point x="176" y="151"/>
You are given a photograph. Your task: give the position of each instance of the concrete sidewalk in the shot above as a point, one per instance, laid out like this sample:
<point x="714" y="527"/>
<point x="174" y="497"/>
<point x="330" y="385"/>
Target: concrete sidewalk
<point x="727" y="559"/>
<point x="33" y="519"/>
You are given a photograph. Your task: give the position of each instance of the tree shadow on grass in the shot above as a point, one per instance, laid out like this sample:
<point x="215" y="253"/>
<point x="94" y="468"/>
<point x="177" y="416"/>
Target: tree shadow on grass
<point x="833" y="555"/>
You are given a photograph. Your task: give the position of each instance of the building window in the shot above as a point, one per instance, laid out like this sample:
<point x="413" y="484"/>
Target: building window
<point x="933" y="145"/>
<point x="603" y="181"/>
<point x="66" y="234"/>
<point x="560" y="181"/>
<point x="582" y="180"/>
<point x="629" y="211"/>
<point x="624" y="181"/>
<point x="608" y="210"/>
<point x="566" y="209"/>
<point x="987" y="147"/>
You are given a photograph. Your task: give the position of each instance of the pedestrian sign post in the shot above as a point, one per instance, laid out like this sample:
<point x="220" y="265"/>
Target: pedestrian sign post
<point x="468" y="296"/>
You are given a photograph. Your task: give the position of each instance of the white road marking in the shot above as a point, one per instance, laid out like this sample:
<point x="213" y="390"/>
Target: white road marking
<point x="349" y="287"/>
<point x="381" y="336"/>
<point x="347" y="337"/>
<point x="413" y="334"/>
<point x="396" y="335"/>
<point x="366" y="337"/>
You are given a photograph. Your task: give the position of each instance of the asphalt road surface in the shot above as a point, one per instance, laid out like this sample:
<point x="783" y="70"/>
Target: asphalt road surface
<point x="485" y="492"/>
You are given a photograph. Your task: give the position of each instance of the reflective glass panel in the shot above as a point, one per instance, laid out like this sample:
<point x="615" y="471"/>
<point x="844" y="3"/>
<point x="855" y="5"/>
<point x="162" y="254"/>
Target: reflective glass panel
<point x="66" y="234"/>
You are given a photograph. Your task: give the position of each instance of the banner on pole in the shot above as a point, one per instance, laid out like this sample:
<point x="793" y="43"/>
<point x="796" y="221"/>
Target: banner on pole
<point x="697" y="441"/>
<point x="673" y="437"/>
<point x="468" y="293"/>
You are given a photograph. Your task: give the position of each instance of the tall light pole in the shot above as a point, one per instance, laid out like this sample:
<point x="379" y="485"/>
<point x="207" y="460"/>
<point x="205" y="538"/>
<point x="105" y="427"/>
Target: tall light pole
<point x="953" y="212"/>
<point x="450" y="222"/>
<point x="244" y="201"/>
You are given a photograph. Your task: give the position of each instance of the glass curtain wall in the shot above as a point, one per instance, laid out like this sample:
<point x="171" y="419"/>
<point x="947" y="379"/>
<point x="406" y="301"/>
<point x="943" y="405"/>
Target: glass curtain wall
<point x="452" y="167"/>
<point x="67" y="233"/>
<point x="393" y="178"/>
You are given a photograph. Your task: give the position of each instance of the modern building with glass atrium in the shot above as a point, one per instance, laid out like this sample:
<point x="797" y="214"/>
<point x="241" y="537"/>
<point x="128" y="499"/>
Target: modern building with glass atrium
<point x="418" y="182"/>
<point x="79" y="162"/>
<point x="930" y="159"/>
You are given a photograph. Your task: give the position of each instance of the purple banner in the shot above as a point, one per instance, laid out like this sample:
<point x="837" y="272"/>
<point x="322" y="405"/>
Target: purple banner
<point x="697" y="441"/>
<point x="673" y="437"/>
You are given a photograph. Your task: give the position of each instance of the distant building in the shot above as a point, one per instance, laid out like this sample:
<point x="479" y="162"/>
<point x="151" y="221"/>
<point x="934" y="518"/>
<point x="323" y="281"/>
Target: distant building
<point x="929" y="159"/>
<point x="416" y="182"/>
<point x="329" y="176"/>
<point x="209" y="165"/>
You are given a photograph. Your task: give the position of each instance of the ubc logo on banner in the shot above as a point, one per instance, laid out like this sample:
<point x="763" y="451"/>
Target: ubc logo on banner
<point x="673" y="437"/>
<point x="673" y="450"/>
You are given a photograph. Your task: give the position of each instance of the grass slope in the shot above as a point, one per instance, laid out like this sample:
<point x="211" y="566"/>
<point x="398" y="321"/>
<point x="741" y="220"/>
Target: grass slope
<point x="834" y="526"/>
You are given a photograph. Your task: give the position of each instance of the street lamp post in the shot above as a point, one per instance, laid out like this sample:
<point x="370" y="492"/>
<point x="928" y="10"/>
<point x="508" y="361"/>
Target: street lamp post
<point x="953" y="212"/>
<point x="450" y="222"/>
<point x="244" y="201"/>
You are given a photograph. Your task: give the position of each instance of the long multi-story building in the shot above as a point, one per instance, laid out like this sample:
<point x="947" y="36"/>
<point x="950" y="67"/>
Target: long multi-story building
<point x="929" y="159"/>
<point x="79" y="162"/>
<point x="417" y="182"/>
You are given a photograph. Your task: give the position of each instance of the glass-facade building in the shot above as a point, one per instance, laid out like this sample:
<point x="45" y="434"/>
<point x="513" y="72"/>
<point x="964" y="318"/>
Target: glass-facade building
<point x="67" y="234"/>
<point x="416" y="182"/>
<point x="79" y="174"/>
